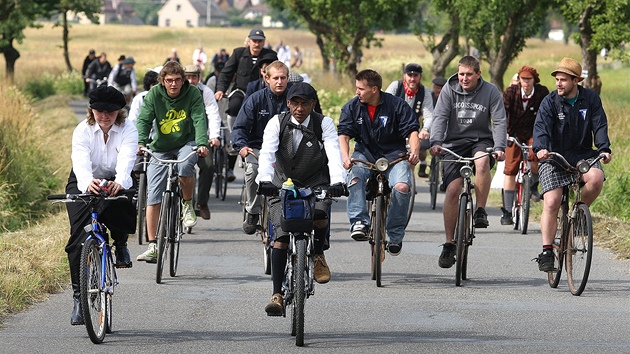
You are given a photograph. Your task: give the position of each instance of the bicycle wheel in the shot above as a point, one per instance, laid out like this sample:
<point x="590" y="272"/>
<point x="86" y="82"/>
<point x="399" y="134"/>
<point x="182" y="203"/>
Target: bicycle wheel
<point x="175" y="235"/>
<point x="300" y="290"/>
<point x="220" y="173"/>
<point x="142" y="208"/>
<point x="110" y="283"/>
<point x="379" y="232"/>
<point x="93" y="300"/>
<point x="225" y="166"/>
<point x="524" y="207"/>
<point x="579" y="249"/>
<point x="412" y="200"/>
<point x="265" y="237"/>
<point x="559" y="246"/>
<point x="243" y="201"/>
<point x="434" y="180"/>
<point x="516" y="205"/>
<point x="461" y="234"/>
<point x="162" y="235"/>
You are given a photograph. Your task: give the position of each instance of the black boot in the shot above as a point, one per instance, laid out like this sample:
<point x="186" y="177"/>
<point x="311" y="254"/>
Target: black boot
<point x="77" y="313"/>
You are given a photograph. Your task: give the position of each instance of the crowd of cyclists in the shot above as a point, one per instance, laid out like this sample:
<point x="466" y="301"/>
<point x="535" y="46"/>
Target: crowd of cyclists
<point x="279" y="131"/>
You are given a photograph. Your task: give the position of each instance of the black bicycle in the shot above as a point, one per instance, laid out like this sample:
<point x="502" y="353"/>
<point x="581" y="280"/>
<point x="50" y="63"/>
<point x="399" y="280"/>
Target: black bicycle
<point x="521" y="204"/>
<point x="221" y="165"/>
<point x="142" y="201"/>
<point x="434" y="180"/>
<point x="98" y="274"/>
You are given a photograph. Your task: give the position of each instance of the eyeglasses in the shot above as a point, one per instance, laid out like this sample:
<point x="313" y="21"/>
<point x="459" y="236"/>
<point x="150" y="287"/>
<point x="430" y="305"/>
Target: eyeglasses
<point x="304" y="104"/>
<point x="173" y="81"/>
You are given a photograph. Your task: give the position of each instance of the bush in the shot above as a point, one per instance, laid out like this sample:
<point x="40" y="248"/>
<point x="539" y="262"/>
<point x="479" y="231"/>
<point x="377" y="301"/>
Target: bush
<point x="69" y="83"/>
<point x="43" y="87"/>
<point x="47" y="85"/>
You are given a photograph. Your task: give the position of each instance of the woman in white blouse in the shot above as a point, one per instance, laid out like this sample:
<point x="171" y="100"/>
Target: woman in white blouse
<point x="104" y="146"/>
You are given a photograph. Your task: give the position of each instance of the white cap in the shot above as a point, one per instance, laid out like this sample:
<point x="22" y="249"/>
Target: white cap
<point x="157" y="69"/>
<point x="306" y="78"/>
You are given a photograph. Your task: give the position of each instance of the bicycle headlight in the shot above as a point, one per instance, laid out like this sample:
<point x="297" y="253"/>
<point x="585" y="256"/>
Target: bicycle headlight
<point x="382" y="164"/>
<point x="466" y="171"/>
<point x="583" y="166"/>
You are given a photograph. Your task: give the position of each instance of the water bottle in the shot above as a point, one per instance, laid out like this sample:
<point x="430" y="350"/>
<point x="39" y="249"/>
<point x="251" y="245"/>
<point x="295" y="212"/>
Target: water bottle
<point x="289" y="186"/>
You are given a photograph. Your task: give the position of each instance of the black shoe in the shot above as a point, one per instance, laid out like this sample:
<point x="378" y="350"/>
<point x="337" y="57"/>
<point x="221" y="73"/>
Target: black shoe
<point x="394" y="248"/>
<point x="359" y="232"/>
<point x="481" y="218"/>
<point x="250" y="224"/>
<point x="422" y="171"/>
<point x="123" y="259"/>
<point x="506" y="218"/>
<point x="447" y="258"/>
<point x="535" y="197"/>
<point x="231" y="176"/>
<point x="442" y="187"/>
<point x="545" y="261"/>
<point x="77" y="314"/>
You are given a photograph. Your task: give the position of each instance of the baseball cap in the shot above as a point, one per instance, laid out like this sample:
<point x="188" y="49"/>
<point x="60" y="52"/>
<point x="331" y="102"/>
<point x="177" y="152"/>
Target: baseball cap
<point x="106" y="98"/>
<point x="92" y="51"/>
<point x="439" y="81"/>
<point x="256" y="34"/>
<point x="413" y="68"/>
<point x="192" y="70"/>
<point x="302" y="90"/>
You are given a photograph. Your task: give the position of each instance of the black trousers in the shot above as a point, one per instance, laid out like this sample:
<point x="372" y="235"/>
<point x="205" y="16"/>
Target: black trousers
<point x="118" y="215"/>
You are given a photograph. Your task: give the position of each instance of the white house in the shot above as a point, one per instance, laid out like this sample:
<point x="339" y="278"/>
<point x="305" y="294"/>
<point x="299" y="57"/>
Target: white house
<point x="190" y="13"/>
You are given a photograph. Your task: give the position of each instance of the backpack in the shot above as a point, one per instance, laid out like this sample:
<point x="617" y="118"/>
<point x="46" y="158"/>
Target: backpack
<point x="418" y="99"/>
<point x="123" y="77"/>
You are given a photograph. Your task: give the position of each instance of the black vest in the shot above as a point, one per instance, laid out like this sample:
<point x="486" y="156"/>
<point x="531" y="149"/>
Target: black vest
<point x="417" y="101"/>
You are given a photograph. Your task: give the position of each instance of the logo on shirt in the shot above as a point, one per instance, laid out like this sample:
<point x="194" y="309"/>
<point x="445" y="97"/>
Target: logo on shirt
<point x="383" y="120"/>
<point x="170" y="123"/>
<point x="583" y="113"/>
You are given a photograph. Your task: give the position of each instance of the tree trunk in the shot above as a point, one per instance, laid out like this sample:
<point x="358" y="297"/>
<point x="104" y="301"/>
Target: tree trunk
<point x="324" y="53"/>
<point x="448" y="48"/>
<point x="500" y="60"/>
<point x="66" y="55"/>
<point x="11" y="55"/>
<point x="589" y="56"/>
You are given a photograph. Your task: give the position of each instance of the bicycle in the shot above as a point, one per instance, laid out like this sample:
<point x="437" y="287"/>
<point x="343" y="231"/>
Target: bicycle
<point x="221" y="165"/>
<point x="465" y="227"/>
<point x="434" y="180"/>
<point x="573" y="243"/>
<point x="98" y="274"/>
<point x="521" y="204"/>
<point x="170" y="224"/>
<point x="378" y="205"/>
<point x="142" y="202"/>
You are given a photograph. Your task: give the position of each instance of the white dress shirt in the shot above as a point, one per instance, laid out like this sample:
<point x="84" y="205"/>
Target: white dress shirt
<point x="93" y="158"/>
<point x="212" y="111"/>
<point x="271" y="140"/>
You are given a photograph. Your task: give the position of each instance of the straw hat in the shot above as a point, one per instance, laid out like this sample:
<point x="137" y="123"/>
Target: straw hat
<point x="569" y="66"/>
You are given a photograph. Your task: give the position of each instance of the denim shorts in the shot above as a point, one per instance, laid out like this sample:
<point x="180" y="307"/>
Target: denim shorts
<point x="157" y="173"/>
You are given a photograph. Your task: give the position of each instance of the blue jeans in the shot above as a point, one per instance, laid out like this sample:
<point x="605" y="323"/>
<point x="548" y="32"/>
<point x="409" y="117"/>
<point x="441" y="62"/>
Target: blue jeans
<point x="397" y="215"/>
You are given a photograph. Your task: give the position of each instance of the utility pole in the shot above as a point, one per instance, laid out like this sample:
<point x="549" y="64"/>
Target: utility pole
<point x="208" y="12"/>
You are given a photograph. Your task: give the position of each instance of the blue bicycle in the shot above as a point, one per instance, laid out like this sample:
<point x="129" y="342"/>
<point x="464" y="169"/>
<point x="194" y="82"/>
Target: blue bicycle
<point x="98" y="273"/>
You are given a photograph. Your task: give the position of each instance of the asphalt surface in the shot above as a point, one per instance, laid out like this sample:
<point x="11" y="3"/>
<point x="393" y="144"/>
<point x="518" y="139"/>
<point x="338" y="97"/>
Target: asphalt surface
<point x="216" y="303"/>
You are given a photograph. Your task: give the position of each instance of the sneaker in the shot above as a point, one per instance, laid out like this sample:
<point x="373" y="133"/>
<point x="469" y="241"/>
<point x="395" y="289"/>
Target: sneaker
<point x="359" y="231"/>
<point x="231" y="176"/>
<point x="394" y="248"/>
<point x="150" y="255"/>
<point x="250" y="224"/>
<point x="481" y="218"/>
<point x="321" y="272"/>
<point x="545" y="261"/>
<point x="190" y="218"/>
<point x="123" y="258"/>
<point x="422" y="171"/>
<point x="204" y="212"/>
<point x="447" y="258"/>
<point x="506" y="218"/>
<point x="274" y="307"/>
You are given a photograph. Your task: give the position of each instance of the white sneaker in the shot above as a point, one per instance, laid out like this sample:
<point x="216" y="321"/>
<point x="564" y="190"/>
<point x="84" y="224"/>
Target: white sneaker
<point x="150" y="255"/>
<point x="190" y="218"/>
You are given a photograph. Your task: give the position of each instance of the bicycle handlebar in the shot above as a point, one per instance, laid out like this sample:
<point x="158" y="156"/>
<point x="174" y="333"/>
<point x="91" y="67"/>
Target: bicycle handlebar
<point x="193" y="152"/>
<point x="466" y="159"/>
<point x="518" y="143"/>
<point x="73" y="197"/>
<point x="581" y="166"/>
<point x="374" y="165"/>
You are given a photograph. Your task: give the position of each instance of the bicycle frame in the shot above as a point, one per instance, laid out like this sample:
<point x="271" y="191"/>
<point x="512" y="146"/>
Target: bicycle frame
<point x="520" y="206"/>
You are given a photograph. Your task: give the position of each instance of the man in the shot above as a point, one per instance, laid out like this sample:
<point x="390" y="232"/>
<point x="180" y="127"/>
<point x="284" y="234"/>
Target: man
<point x="86" y="62"/>
<point x="247" y="133"/>
<point x="469" y="118"/>
<point x="379" y="123"/>
<point x="98" y="70"/>
<point x="260" y="84"/>
<point x="221" y="57"/>
<point x="297" y="152"/>
<point x="570" y="121"/>
<point x="438" y="83"/>
<point x="521" y="105"/>
<point x="206" y="165"/>
<point x="123" y="78"/>
<point x="177" y="109"/>
<point x="200" y="58"/>
<point x="418" y="97"/>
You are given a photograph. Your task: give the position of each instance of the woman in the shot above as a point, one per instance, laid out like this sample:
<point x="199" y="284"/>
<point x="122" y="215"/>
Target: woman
<point x="103" y="148"/>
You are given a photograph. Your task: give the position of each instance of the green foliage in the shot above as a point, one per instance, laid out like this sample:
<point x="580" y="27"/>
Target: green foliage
<point x="48" y="85"/>
<point x="40" y="88"/>
<point x="332" y="101"/>
<point x="69" y="83"/>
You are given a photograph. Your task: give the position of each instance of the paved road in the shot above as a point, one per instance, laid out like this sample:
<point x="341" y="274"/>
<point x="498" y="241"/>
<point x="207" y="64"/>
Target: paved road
<point x="216" y="302"/>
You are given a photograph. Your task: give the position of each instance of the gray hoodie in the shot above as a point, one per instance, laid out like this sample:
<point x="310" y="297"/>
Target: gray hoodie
<point x="462" y="117"/>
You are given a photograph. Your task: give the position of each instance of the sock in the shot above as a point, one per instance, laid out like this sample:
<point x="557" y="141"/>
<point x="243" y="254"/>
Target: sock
<point x="508" y="199"/>
<point x="320" y="240"/>
<point x="547" y="248"/>
<point x="278" y="264"/>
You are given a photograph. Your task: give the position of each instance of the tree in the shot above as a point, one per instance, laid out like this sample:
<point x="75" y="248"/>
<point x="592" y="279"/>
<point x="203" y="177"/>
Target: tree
<point x="499" y="29"/>
<point x="346" y="27"/>
<point x="601" y="24"/>
<point x="88" y="7"/>
<point x="15" y="16"/>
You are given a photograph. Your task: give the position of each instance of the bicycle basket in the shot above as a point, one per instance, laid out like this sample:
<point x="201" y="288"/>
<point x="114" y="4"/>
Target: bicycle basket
<point x="297" y="211"/>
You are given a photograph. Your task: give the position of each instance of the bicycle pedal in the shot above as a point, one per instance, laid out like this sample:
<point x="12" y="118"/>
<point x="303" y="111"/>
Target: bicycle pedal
<point x="122" y="266"/>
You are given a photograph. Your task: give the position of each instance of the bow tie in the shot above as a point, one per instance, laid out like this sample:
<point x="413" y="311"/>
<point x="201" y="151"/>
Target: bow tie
<point x="525" y="99"/>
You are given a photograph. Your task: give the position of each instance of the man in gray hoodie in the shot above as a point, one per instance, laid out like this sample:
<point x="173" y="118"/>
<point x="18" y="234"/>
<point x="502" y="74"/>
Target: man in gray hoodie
<point x="469" y="117"/>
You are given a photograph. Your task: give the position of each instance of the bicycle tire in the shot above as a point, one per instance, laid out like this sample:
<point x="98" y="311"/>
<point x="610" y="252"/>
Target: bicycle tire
<point x="175" y="235"/>
<point x="516" y="205"/>
<point x="93" y="302"/>
<point x="559" y="247"/>
<point x="379" y="232"/>
<point x="142" y="208"/>
<point x="434" y="180"/>
<point x="110" y="284"/>
<point x="460" y="235"/>
<point x="225" y="167"/>
<point x="162" y="235"/>
<point x="243" y="201"/>
<point x="300" y="290"/>
<point x="525" y="203"/>
<point x="266" y="241"/>
<point x="579" y="249"/>
<point x="412" y="200"/>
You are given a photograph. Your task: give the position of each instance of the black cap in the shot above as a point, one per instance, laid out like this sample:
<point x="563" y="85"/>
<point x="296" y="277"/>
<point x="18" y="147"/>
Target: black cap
<point x="267" y="58"/>
<point x="439" y="81"/>
<point x="302" y="90"/>
<point x="92" y="51"/>
<point x="121" y="57"/>
<point x="106" y="98"/>
<point x="413" y="68"/>
<point x="256" y="34"/>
